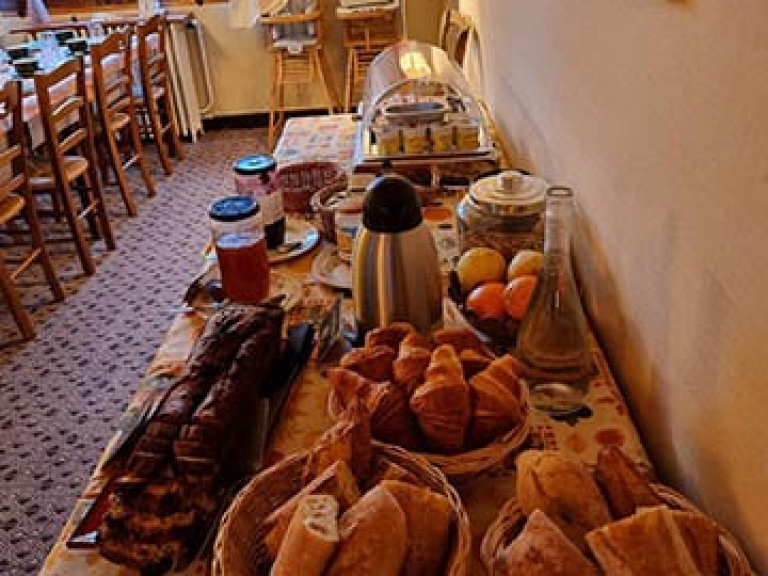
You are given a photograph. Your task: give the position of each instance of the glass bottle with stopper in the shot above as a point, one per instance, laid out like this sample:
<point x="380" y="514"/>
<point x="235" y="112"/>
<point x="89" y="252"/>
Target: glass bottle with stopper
<point x="553" y="339"/>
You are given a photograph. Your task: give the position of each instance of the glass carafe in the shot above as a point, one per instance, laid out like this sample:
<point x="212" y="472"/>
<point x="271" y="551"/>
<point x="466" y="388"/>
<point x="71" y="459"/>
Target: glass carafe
<point x="553" y="339"/>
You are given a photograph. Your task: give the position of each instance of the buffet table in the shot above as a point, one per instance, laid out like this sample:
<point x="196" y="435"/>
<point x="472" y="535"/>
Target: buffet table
<point x="604" y="419"/>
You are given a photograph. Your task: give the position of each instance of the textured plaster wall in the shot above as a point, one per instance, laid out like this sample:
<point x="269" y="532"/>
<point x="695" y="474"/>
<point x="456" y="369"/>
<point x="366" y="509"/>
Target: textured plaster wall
<point x="655" y="112"/>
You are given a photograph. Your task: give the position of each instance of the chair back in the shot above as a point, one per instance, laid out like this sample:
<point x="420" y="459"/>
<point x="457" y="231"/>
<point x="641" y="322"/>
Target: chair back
<point x="112" y="76"/>
<point x="455" y="31"/>
<point x="153" y="65"/>
<point x="62" y="95"/>
<point x="13" y="164"/>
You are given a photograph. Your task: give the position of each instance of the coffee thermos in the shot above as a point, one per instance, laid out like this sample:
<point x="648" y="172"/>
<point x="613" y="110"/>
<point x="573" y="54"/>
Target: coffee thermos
<point x="395" y="270"/>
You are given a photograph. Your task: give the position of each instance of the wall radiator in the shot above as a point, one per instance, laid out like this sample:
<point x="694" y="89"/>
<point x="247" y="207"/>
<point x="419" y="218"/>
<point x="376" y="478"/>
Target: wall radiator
<point x="190" y="76"/>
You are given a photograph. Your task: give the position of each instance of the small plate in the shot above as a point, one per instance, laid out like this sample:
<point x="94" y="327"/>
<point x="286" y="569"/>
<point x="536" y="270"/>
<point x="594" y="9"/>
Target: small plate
<point x="329" y="269"/>
<point x="299" y="232"/>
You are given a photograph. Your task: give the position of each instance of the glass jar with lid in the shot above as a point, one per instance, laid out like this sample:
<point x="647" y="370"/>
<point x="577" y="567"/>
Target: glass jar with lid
<point x="255" y="176"/>
<point x="238" y="235"/>
<point x="504" y="212"/>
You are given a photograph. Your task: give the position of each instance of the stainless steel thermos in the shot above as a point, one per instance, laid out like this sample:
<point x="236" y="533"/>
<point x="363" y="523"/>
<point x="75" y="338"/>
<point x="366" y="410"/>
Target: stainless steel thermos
<point x="395" y="270"/>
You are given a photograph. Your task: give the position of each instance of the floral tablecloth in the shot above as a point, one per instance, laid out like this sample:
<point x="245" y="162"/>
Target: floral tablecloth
<point x="603" y="420"/>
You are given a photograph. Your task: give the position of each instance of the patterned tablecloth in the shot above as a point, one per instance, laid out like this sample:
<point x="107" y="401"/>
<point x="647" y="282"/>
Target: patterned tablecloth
<point x="603" y="420"/>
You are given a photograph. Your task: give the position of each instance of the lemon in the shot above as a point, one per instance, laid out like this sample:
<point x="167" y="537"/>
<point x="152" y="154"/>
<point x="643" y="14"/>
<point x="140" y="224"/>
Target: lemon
<point x="524" y="263"/>
<point x="479" y="265"/>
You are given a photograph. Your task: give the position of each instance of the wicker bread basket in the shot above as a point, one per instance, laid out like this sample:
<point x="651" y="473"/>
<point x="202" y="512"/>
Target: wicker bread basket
<point x="239" y="548"/>
<point x="298" y="182"/>
<point x="510" y="521"/>
<point x="466" y="465"/>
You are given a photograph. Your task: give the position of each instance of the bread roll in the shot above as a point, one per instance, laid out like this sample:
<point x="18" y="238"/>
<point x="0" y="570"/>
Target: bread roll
<point x="390" y="336"/>
<point x="648" y="543"/>
<point x="374" y="363"/>
<point x="412" y="360"/>
<point x="541" y="549"/>
<point x="496" y="401"/>
<point x="349" y="439"/>
<point x="373" y="537"/>
<point x="625" y="488"/>
<point x="442" y="403"/>
<point x="337" y="481"/>
<point x="429" y="519"/>
<point x="311" y="539"/>
<point x="564" y="490"/>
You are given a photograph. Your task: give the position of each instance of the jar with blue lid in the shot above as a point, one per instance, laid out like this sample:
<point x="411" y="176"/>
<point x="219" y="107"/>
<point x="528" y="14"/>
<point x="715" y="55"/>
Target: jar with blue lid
<point x="255" y="177"/>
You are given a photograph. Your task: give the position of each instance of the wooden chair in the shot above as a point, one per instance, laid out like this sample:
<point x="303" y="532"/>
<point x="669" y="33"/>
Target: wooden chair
<point x="69" y="163"/>
<point x="366" y="33"/>
<point x="297" y="61"/>
<point x="455" y="32"/>
<point x="154" y="105"/>
<point x="118" y="140"/>
<point x="17" y="201"/>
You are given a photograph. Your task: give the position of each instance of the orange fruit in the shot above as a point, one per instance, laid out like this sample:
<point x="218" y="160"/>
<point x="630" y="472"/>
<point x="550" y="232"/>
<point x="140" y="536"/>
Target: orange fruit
<point x="487" y="300"/>
<point x="517" y="295"/>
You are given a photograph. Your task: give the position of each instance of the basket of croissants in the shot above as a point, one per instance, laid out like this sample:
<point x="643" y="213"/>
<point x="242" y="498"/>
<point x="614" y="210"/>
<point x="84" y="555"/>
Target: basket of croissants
<point x="444" y="397"/>
<point x="611" y="520"/>
<point x="347" y="506"/>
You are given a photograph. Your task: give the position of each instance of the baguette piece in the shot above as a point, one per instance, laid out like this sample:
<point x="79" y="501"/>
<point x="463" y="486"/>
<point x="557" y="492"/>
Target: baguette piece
<point x="648" y="543"/>
<point x="541" y="549"/>
<point x="442" y="404"/>
<point x="373" y="537"/>
<point x="347" y="385"/>
<point x="383" y="469"/>
<point x="700" y="535"/>
<point x="429" y="518"/>
<point x="564" y="490"/>
<point x="625" y="488"/>
<point x="311" y="539"/>
<point x="337" y="481"/>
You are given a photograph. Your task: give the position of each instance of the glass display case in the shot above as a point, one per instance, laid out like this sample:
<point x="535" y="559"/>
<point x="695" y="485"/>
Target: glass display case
<point x="418" y="107"/>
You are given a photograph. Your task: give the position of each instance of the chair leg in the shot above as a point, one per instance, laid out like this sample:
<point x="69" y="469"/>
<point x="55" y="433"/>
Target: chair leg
<point x="76" y="227"/>
<point x="275" y="98"/>
<point x="23" y="321"/>
<point x="349" y="79"/>
<point x="97" y="198"/>
<point x="157" y="135"/>
<point x="38" y="243"/>
<point x="177" y="149"/>
<point x="122" y="181"/>
<point x="135" y="138"/>
<point x="326" y="77"/>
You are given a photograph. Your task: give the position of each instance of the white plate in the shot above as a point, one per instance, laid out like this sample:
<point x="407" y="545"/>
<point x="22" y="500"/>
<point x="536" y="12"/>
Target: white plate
<point x="299" y="231"/>
<point x="329" y="269"/>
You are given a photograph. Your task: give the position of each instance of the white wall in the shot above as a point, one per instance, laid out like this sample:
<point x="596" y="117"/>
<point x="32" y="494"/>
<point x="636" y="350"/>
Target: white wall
<point x="657" y="114"/>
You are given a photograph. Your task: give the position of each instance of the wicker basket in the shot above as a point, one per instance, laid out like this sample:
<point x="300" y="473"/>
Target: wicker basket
<point x="466" y="465"/>
<point x="298" y="182"/>
<point x="510" y="522"/>
<point x="239" y="548"/>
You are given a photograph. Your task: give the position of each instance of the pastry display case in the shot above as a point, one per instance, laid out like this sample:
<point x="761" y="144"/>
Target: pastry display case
<point x="418" y="108"/>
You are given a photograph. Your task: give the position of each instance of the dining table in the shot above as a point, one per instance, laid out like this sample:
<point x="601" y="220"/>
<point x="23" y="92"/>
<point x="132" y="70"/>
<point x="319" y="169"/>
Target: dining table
<point x="603" y="420"/>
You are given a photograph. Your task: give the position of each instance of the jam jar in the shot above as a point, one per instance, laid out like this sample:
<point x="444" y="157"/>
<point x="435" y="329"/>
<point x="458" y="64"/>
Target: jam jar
<point x="241" y="251"/>
<point x="255" y="176"/>
<point x="504" y="212"/>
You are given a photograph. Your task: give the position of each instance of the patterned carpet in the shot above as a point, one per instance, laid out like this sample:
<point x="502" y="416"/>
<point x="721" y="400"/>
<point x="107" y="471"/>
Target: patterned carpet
<point x="61" y="394"/>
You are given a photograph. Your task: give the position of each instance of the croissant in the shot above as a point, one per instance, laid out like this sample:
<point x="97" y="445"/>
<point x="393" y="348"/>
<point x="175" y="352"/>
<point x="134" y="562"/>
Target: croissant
<point x="496" y="396"/>
<point x="391" y="419"/>
<point x="473" y="362"/>
<point x="347" y="385"/>
<point x="442" y="403"/>
<point x="374" y="363"/>
<point x="390" y="336"/>
<point x="460" y="338"/>
<point x="412" y="361"/>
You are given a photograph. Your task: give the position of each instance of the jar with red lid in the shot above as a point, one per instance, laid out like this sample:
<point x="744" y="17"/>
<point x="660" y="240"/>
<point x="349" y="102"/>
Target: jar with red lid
<point x="238" y="237"/>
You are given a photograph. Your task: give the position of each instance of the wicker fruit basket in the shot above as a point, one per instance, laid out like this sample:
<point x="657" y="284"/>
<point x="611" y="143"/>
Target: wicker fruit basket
<point x="298" y="182"/>
<point x="239" y="548"/>
<point x="510" y="521"/>
<point x="466" y="465"/>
